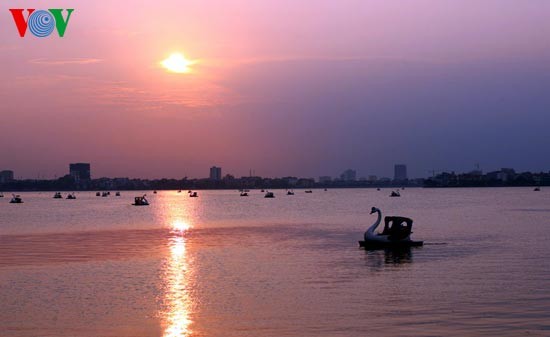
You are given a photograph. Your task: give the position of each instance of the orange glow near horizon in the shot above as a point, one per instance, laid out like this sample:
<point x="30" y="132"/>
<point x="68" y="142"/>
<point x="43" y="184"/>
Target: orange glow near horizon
<point x="177" y="63"/>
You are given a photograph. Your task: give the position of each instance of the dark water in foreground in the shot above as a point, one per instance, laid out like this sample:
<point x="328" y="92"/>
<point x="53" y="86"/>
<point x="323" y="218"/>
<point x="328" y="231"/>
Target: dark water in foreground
<point x="222" y="265"/>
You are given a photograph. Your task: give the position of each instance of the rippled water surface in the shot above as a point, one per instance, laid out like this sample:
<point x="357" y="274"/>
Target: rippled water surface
<point x="224" y="265"/>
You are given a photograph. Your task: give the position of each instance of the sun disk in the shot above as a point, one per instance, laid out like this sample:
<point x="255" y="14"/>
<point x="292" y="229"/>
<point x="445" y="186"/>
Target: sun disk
<point x="177" y="63"/>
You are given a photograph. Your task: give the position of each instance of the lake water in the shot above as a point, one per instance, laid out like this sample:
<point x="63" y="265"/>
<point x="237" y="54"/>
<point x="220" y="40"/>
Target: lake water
<point x="224" y="265"/>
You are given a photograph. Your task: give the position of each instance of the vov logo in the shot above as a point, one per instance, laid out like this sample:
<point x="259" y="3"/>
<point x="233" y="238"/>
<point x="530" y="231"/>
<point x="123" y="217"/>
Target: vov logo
<point x="41" y="23"/>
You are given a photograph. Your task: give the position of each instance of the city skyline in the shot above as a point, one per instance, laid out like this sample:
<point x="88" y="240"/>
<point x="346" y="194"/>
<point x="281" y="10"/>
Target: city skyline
<point x="83" y="171"/>
<point x="284" y="88"/>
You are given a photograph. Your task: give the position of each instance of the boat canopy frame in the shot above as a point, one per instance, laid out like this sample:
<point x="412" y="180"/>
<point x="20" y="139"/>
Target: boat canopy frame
<point x="397" y="227"/>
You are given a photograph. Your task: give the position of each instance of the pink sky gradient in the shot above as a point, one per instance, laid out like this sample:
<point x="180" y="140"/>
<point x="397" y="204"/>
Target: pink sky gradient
<point x="283" y="87"/>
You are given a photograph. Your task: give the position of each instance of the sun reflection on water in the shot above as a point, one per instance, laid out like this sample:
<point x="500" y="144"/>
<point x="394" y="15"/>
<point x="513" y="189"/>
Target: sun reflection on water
<point x="180" y="225"/>
<point x="177" y="277"/>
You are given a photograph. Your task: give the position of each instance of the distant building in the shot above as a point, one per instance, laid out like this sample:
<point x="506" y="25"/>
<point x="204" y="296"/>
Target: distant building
<point x="325" y="179"/>
<point x="6" y="176"/>
<point x="80" y="171"/>
<point x="290" y="181"/>
<point x="506" y="174"/>
<point x="348" y="175"/>
<point x="400" y="172"/>
<point x="215" y="173"/>
<point x="372" y="178"/>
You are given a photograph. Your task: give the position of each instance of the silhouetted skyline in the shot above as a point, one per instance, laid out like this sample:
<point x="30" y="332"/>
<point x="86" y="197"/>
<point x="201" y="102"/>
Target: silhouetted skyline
<point x="280" y="87"/>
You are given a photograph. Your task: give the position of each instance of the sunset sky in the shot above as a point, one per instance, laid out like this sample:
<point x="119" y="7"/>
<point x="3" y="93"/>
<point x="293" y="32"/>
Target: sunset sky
<point x="284" y="87"/>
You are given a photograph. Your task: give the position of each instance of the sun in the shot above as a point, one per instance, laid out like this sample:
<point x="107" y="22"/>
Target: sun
<point x="177" y="63"/>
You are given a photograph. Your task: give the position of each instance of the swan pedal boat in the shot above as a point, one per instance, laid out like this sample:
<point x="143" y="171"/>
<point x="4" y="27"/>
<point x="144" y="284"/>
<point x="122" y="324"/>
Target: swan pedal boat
<point x="140" y="201"/>
<point x="396" y="234"/>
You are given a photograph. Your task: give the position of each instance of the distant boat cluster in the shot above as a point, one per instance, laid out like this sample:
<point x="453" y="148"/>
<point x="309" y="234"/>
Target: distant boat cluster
<point x="142" y="201"/>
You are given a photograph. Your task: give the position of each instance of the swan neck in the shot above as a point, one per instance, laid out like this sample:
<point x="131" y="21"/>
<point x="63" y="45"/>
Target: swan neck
<point x="372" y="228"/>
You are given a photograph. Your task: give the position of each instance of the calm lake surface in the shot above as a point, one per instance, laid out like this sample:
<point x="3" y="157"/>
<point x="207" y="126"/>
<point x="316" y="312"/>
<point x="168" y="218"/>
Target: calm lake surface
<point x="225" y="265"/>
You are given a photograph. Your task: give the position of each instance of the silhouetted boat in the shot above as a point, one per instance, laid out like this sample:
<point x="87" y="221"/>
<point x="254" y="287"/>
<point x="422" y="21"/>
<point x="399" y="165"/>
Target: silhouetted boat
<point x="1" y="195"/>
<point x="396" y="234"/>
<point x="16" y="199"/>
<point x="326" y="190"/>
<point x="378" y="189"/>
<point x="289" y="192"/>
<point x="269" y="195"/>
<point x="71" y="196"/>
<point x="193" y="195"/>
<point x="537" y="189"/>
<point x="263" y="190"/>
<point x="244" y="194"/>
<point x="155" y="192"/>
<point x="140" y="201"/>
<point x="395" y="194"/>
<point x="57" y="195"/>
<point x="179" y="191"/>
<point x="117" y="194"/>
<point x="104" y="194"/>
<point x="97" y="194"/>
<point x="309" y="191"/>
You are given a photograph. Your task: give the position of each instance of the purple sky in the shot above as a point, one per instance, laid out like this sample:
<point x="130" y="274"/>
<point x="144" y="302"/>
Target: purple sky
<point x="284" y="87"/>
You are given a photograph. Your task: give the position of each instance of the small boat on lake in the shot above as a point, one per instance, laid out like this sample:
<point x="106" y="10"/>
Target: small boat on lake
<point x="104" y="194"/>
<point x="140" y="201"/>
<point x="537" y="189"/>
<point x="395" y="194"/>
<point x="97" y="194"/>
<point x="117" y="194"/>
<point x="269" y="195"/>
<point x="57" y="195"/>
<point x="16" y="199"/>
<point x="289" y="192"/>
<point x="309" y="191"/>
<point x="155" y="192"/>
<point x="71" y="196"/>
<point x="1" y="195"/>
<point x="244" y="194"/>
<point x="193" y="195"/>
<point x="396" y="233"/>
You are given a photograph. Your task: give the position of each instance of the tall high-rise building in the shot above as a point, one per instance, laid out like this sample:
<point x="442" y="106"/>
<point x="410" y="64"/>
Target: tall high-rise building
<point x="215" y="173"/>
<point x="80" y="171"/>
<point x="6" y="176"/>
<point x="400" y="172"/>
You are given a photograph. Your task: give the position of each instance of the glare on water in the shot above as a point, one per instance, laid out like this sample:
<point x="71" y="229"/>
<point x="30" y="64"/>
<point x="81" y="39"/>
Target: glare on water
<point x="177" y="276"/>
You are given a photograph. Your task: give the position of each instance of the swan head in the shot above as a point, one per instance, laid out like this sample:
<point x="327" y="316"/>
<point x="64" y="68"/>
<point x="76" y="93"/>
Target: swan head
<point x="374" y="210"/>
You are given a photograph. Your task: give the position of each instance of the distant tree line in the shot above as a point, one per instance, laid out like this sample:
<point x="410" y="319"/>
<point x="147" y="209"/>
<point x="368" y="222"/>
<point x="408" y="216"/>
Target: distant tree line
<point x="504" y="177"/>
<point x="68" y="183"/>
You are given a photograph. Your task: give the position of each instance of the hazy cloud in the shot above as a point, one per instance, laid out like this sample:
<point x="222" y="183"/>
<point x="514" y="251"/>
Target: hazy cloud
<point x="61" y="62"/>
